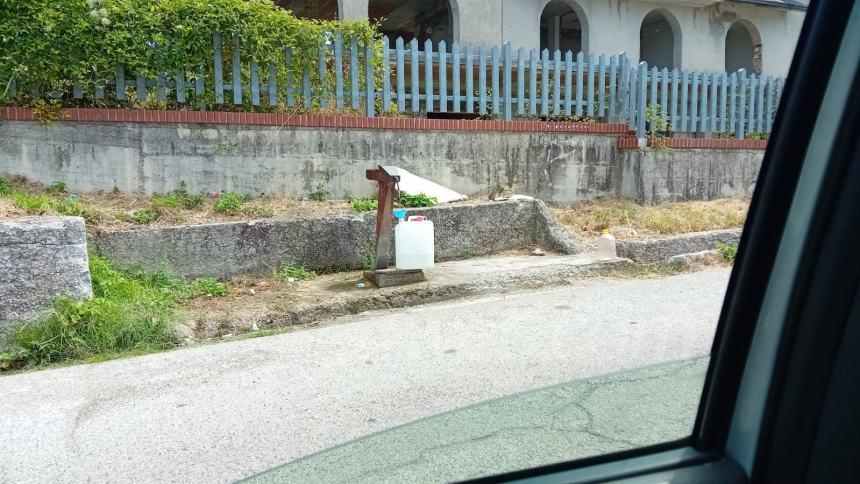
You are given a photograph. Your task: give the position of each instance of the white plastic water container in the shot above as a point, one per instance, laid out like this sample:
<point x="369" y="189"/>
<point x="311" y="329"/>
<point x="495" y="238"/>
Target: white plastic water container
<point x="413" y="243"/>
<point x="606" y="246"/>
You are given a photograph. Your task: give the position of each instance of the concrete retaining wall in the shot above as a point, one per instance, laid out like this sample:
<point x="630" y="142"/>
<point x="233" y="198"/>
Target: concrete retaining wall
<point x="143" y="158"/>
<point x="41" y="258"/>
<point x="655" y="250"/>
<point x="654" y="176"/>
<point x="337" y="243"/>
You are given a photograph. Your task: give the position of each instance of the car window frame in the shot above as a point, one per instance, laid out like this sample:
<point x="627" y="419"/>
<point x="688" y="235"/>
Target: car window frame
<point x="772" y="205"/>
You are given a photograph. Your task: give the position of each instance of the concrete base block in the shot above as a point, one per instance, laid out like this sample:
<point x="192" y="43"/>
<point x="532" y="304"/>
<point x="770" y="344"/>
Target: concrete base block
<point x="394" y="277"/>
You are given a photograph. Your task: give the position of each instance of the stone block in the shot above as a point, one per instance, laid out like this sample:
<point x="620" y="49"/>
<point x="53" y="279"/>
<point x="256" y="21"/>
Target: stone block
<point x="41" y="259"/>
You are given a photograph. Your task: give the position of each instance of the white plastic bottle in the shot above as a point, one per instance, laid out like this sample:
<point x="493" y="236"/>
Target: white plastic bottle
<point x="606" y="246"/>
<point x="414" y="243"/>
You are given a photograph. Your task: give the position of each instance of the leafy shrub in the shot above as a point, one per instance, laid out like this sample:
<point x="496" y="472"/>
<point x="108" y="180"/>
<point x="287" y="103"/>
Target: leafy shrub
<point x="4" y="186"/>
<point x="419" y="200"/>
<point x="299" y="273"/>
<point x="229" y="203"/>
<point x="56" y="187"/>
<point x="126" y="313"/>
<point x="364" y="204"/>
<point x="178" y="198"/>
<point x="192" y="202"/>
<point x="369" y="261"/>
<point x="77" y="209"/>
<point x="48" y="111"/>
<point x="210" y="287"/>
<point x="146" y="215"/>
<point x="320" y="193"/>
<point x="166" y="201"/>
<point x="151" y="37"/>
<point x="727" y="251"/>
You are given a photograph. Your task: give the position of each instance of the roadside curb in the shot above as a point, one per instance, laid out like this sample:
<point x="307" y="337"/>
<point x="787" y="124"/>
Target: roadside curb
<point x="434" y="290"/>
<point x="663" y="249"/>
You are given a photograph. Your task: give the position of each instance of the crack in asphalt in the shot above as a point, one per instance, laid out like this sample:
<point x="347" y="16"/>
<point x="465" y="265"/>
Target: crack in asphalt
<point x="425" y="454"/>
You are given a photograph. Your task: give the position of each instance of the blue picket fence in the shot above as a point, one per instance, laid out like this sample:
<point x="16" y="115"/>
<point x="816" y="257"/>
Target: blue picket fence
<point x="493" y="82"/>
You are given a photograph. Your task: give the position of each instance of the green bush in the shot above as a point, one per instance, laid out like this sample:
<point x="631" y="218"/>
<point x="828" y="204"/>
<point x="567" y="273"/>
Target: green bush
<point x="419" y="200"/>
<point x="210" y="287"/>
<point x="192" y="202"/>
<point x="229" y="203"/>
<point x="4" y="186"/>
<point x="166" y="201"/>
<point x="56" y="187"/>
<point x="46" y="41"/>
<point x="146" y="215"/>
<point x="369" y="260"/>
<point x="299" y="273"/>
<point x="320" y="193"/>
<point x="364" y="204"/>
<point x="178" y="198"/>
<point x="127" y="313"/>
<point x="728" y="251"/>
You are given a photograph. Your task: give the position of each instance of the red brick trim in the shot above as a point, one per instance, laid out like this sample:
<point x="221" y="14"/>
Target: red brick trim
<point x="630" y="142"/>
<point x="312" y="120"/>
<point x="627" y="143"/>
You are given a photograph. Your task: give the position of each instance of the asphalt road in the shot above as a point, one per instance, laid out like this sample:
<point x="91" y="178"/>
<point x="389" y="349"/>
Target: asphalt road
<point x="221" y="412"/>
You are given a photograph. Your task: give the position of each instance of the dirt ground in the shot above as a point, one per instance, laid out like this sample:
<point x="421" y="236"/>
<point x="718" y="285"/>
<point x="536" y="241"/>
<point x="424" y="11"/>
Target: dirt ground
<point x="117" y="211"/>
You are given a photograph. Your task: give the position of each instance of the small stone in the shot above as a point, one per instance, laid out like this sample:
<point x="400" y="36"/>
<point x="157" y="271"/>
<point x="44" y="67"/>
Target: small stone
<point x="359" y="285"/>
<point x="254" y="327"/>
<point x="252" y="291"/>
<point x="291" y="280"/>
<point x="538" y="252"/>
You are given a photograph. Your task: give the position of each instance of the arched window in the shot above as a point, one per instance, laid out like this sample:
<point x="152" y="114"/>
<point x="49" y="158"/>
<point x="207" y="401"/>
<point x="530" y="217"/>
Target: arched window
<point x="743" y="47"/>
<point x="660" y="40"/>
<point x="315" y="9"/>
<point x="415" y="19"/>
<point x="563" y="26"/>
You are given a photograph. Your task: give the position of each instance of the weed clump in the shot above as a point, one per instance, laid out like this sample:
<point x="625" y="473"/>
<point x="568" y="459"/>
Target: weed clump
<point x="229" y="203"/>
<point x="364" y="204"/>
<point x="298" y="273"/>
<point x="129" y="313"/>
<point x="126" y="313"/>
<point x="419" y="200"/>
<point x="727" y="251"/>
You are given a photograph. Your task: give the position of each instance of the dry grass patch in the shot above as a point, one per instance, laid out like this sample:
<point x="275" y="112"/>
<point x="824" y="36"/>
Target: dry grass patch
<point x="630" y="220"/>
<point x="116" y="211"/>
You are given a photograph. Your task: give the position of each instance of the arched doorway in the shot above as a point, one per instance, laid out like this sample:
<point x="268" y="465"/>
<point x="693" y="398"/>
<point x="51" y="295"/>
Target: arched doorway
<point x="313" y="9"/>
<point x="563" y="26"/>
<point x="416" y="19"/>
<point x="660" y="40"/>
<point x="743" y="47"/>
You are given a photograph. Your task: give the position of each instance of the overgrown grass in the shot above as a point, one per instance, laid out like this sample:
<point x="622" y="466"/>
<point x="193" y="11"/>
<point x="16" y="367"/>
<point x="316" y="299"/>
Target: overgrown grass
<point x="626" y="218"/>
<point x="320" y="193"/>
<point x="417" y="200"/>
<point x="129" y="313"/>
<point x="103" y="210"/>
<point x="364" y="204"/>
<point x="229" y="203"/>
<point x="298" y="273"/>
<point x="727" y="251"/>
<point x="210" y="287"/>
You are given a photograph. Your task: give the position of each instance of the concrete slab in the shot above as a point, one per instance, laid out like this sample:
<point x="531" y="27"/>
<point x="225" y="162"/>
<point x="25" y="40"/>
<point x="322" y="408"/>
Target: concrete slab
<point x="334" y="295"/>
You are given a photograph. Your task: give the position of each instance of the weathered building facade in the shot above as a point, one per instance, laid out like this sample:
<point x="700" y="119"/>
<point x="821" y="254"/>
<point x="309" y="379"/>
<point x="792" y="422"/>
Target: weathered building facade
<point x="709" y="35"/>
